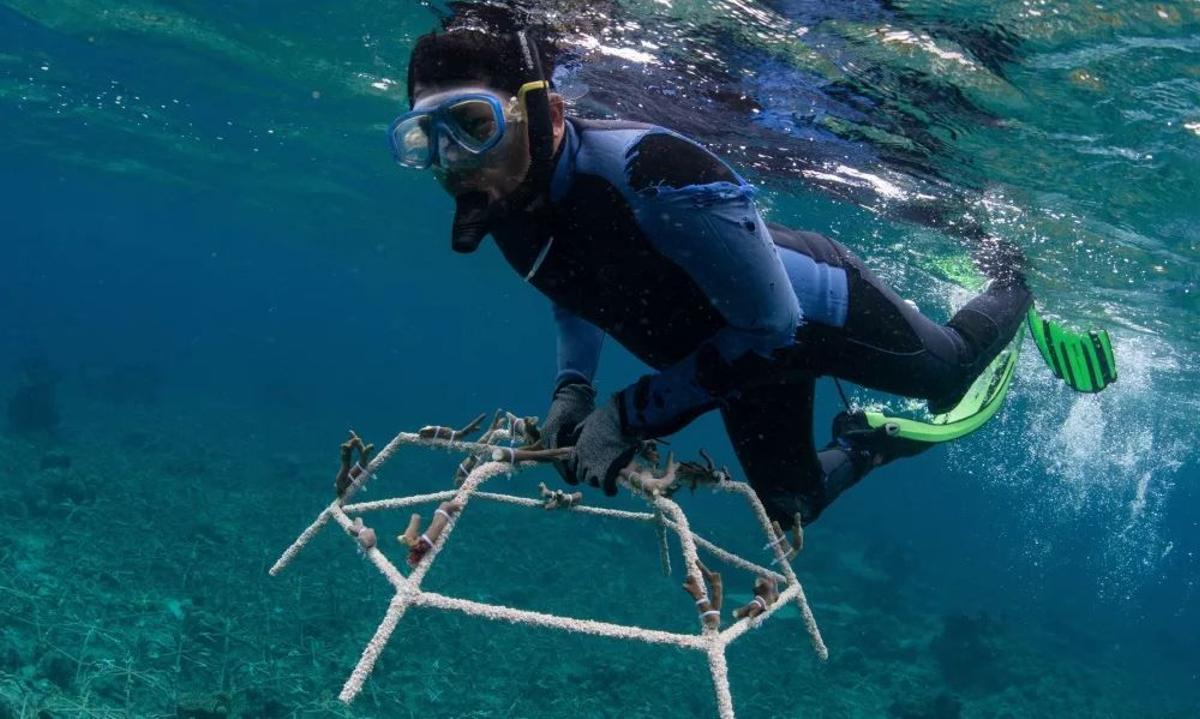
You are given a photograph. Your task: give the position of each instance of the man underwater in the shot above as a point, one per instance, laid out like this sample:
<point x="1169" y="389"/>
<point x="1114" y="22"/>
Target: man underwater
<point x="634" y="231"/>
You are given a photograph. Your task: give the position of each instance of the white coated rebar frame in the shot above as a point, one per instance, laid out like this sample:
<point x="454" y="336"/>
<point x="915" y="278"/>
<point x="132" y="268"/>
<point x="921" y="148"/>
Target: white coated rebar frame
<point x="667" y="515"/>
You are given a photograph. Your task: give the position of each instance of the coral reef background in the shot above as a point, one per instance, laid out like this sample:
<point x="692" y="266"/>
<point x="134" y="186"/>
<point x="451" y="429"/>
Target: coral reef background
<point x="134" y="583"/>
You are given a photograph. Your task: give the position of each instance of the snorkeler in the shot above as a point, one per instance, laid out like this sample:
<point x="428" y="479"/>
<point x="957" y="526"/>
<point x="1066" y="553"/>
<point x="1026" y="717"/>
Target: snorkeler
<point x="635" y="231"/>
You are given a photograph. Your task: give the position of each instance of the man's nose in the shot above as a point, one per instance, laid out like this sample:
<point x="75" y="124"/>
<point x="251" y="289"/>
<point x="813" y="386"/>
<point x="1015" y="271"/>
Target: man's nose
<point x="450" y="153"/>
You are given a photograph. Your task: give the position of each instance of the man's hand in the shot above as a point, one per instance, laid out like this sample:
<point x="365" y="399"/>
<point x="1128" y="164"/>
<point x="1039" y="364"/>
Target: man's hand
<point x="572" y="403"/>
<point x="602" y="448"/>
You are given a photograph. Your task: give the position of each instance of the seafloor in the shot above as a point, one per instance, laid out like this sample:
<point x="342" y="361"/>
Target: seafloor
<point x="134" y="551"/>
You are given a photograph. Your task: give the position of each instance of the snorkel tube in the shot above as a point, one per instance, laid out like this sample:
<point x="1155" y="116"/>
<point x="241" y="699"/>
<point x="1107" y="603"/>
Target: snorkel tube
<point x="474" y="212"/>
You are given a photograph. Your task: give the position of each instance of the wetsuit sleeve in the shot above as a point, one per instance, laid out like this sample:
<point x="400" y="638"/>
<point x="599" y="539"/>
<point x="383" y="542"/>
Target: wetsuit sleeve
<point x="664" y="402"/>
<point x="712" y="229"/>
<point x="579" y="343"/>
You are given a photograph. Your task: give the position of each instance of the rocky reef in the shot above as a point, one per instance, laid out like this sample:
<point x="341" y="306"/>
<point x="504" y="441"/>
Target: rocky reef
<point x="33" y="406"/>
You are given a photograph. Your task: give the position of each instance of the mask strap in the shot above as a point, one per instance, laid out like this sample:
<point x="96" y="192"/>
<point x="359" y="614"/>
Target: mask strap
<point x="534" y="96"/>
<point x="532" y="62"/>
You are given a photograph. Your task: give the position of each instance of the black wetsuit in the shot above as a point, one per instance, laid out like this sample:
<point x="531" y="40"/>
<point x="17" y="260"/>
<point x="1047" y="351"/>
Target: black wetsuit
<point x="650" y="238"/>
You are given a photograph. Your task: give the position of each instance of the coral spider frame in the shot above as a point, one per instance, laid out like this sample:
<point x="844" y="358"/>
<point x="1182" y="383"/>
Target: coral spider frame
<point x="497" y="453"/>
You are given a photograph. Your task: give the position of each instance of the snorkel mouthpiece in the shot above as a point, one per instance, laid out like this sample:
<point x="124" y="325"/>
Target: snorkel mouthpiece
<point x="472" y="216"/>
<point x="474" y="211"/>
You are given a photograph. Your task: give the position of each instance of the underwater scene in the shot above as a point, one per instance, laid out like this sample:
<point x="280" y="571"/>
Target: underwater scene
<point x="215" y="274"/>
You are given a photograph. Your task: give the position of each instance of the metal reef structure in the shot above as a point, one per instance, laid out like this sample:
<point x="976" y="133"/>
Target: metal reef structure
<point x="497" y="454"/>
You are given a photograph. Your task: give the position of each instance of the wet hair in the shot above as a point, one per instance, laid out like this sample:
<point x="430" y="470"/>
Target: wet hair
<point x="478" y="44"/>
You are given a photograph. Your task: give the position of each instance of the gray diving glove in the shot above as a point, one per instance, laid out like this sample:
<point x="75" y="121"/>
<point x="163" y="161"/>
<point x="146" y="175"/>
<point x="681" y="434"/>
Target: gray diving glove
<point x="572" y="403"/>
<point x="603" y="448"/>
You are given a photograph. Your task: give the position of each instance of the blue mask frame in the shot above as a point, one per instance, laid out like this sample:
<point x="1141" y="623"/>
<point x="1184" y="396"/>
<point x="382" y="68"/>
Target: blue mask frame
<point x="438" y="122"/>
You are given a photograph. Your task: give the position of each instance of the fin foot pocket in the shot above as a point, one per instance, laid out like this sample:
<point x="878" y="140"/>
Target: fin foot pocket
<point x="980" y="403"/>
<point x="873" y="446"/>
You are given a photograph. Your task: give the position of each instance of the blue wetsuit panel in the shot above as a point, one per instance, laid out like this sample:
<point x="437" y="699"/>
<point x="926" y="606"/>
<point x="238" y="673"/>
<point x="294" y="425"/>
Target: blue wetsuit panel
<point x="579" y="343"/>
<point x="687" y="277"/>
<point x="820" y="289"/>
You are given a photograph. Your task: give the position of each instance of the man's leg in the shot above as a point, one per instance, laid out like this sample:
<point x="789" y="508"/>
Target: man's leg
<point x="888" y="345"/>
<point x="771" y="430"/>
<point x="885" y="344"/>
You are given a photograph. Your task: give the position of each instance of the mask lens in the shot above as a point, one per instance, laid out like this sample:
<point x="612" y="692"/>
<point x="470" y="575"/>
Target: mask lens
<point x="411" y="142"/>
<point x="475" y="124"/>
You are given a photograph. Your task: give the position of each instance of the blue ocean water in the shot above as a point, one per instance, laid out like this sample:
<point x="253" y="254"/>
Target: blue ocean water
<point x="211" y="270"/>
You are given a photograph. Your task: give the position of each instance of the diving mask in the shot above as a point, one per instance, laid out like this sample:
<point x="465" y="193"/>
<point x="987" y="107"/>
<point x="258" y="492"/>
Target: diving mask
<point x="456" y="131"/>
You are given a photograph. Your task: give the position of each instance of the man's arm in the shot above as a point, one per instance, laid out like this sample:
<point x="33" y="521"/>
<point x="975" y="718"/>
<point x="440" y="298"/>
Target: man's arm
<point x="699" y="214"/>
<point x="579" y="343"/>
<point x="705" y="221"/>
<point x="664" y="402"/>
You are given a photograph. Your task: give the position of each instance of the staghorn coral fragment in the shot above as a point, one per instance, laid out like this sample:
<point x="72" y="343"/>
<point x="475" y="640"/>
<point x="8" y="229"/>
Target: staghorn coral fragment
<point x="695" y="587"/>
<point x="464" y="468"/>
<point x="708" y="606"/>
<point x="695" y="474"/>
<point x="716" y="589"/>
<point x="789" y="551"/>
<point x="645" y="481"/>
<point x="420" y="546"/>
<point x="364" y="534"/>
<point x="676" y="475"/>
<point x="472" y="460"/>
<point x="498" y="418"/>
<point x="366" y="538"/>
<point x="558" y="499"/>
<point x="412" y="533"/>
<point x="518" y="428"/>
<point x="765" y="594"/>
<point x="435" y="431"/>
<point x="525" y="428"/>
<point x="347" y="474"/>
<point x="515" y="455"/>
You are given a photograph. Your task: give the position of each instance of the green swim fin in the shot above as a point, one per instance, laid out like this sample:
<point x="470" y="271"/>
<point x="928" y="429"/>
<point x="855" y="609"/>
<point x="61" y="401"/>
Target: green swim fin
<point x="1084" y="361"/>
<point x="978" y="405"/>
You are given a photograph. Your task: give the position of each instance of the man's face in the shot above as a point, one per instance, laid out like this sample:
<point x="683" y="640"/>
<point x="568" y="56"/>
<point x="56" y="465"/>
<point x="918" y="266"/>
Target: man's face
<point x="497" y="171"/>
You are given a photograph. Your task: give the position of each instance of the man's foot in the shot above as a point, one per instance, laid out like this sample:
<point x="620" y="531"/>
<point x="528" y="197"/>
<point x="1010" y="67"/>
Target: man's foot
<point x="857" y="448"/>
<point x="942" y="405"/>
<point x="871" y="447"/>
